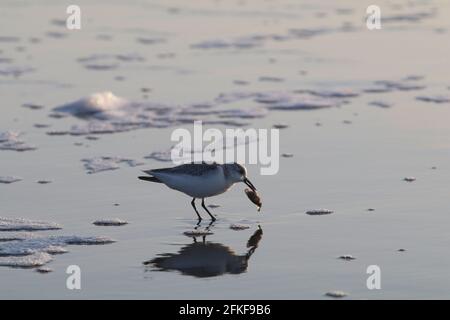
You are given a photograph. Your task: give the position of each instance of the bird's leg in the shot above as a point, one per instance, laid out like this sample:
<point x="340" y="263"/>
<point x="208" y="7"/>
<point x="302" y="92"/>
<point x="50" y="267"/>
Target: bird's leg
<point x="210" y="225"/>
<point x="204" y="207"/>
<point x="193" y="206"/>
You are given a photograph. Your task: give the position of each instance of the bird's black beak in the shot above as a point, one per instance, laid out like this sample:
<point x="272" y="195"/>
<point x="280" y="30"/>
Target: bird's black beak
<point x="247" y="182"/>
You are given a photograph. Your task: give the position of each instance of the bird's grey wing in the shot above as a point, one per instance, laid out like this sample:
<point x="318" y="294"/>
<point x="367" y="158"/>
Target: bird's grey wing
<point x="193" y="169"/>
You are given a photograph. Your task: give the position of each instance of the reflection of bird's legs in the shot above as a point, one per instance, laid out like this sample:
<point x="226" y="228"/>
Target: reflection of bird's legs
<point x="206" y="209"/>
<point x="193" y="206"/>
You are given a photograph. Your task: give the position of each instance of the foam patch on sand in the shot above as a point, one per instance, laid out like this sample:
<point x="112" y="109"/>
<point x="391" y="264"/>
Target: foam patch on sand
<point x="163" y="156"/>
<point x="303" y="99"/>
<point x="106" y="113"/>
<point x="102" y="105"/>
<point x="9" y="224"/>
<point x="30" y="249"/>
<point x="302" y="104"/>
<point x="11" y="140"/>
<point x="434" y="99"/>
<point x="108" y="61"/>
<point x="99" y="164"/>
<point x="380" y="104"/>
<point x="31" y="261"/>
<point x="47" y="244"/>
<point x="410" y="17"/>
<point x="36" y="251"/>
<point x="15" y="71"/>
<point x="258" y="40"/>
<point x="402" y="85"/>
<point x="337" y="93"/>
<point x="11" y="236"/>
<point x="9" y="179"/>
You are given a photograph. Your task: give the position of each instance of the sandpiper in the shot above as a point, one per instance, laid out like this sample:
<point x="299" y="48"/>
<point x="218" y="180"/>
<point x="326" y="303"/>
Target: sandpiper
<point x="200" y="180"/>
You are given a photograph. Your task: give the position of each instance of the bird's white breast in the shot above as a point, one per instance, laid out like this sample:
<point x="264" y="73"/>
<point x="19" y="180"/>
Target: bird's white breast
<point x="197" y="186"/>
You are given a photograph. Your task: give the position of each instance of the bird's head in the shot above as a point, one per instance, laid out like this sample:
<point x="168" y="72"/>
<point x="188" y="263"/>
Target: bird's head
<point x="238" y="173"/>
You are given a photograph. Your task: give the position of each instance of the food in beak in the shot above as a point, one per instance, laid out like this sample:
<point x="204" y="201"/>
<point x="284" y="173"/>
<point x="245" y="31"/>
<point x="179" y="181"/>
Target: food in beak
<point x="254" y="197"/>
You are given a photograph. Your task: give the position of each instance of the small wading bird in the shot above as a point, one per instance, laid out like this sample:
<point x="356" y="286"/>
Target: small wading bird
<point x="200" y="180"/>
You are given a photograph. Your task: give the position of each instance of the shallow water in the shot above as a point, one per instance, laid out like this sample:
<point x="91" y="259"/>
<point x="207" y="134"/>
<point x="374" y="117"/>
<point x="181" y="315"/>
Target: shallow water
<point x="243" y="63"/>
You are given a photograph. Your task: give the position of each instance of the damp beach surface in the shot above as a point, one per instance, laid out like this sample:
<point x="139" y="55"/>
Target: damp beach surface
<point x="358" y="112"/>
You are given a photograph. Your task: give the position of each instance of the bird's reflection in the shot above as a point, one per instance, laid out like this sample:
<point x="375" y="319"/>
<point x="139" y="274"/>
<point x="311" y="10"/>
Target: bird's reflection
<point x="206" y="259"/>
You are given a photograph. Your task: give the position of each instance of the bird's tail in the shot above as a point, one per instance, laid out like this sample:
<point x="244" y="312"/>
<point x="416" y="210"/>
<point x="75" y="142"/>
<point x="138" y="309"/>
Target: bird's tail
<point x="151" y="179"/>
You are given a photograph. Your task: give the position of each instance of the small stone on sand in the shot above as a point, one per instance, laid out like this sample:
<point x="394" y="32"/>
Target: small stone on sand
<point x="381" y="104"/>
<point x="32" y="106"/>
<point x="41" y="125"/>
<point x="347" y="257"/>
<point x="110" y="222"/>
<point x="280" y="126"/>
<point x="336" y="294"/>
<point x="44" y="270"/>
<point x="239" y="227"/>
<point x="319" y="212"/>
<point x="241" y="82"/>
<point x="44" y="181"/>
